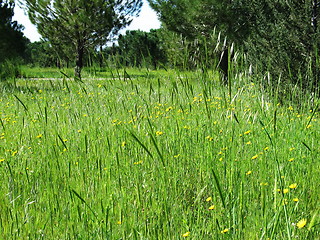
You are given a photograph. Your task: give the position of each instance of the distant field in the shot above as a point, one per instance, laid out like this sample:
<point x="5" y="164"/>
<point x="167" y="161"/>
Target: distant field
<point x="142" y="154"/>
<point x="91" y="73"/>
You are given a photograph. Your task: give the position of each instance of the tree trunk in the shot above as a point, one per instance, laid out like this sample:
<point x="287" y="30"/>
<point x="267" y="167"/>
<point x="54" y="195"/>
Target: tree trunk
<point x="101" y="56"/>
<point x="79" y="60"/>
<point x="224" y="65"/>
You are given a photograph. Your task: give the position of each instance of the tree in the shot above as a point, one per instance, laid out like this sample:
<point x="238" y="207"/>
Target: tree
<point x="281" y="37"/>
<point x="42" y="54"/>
<point x="137" y="48"/>
<point x="80" y="25"/>
<point x="194" y="18"/>
<point x="12" y="42"/>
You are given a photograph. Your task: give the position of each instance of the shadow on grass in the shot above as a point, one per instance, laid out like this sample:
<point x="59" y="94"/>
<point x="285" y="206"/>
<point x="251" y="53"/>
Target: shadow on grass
<point x="15" y="85"/>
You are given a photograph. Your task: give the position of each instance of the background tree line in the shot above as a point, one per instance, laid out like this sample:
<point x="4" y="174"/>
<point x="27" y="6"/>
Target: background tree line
<point x="12" y="41"/>
<point x="281" y="37"/>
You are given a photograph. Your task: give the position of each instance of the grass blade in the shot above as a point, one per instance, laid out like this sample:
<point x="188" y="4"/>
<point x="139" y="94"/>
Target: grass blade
<point x="307" y="146"/>
<point x="141" y="144"/>
<point x="313" y="113"/>
<point x="84" y="202"/>
<point x="219" y="188"/>
<point x="25" y="107"/>
<point x="2" y="124"/>
<point x="63" y="143"/>
<point x="158" y="151"/>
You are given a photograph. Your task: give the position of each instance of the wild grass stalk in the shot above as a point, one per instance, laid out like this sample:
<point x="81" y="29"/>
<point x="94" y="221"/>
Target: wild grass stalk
<point x="159" y="155"/>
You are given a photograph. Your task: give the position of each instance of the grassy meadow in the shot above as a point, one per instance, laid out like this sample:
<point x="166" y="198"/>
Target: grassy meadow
<point x="156" y="155"/>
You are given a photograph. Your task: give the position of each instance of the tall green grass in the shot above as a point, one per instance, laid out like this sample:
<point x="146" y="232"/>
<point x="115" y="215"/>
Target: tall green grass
<point x="167" y="155"/>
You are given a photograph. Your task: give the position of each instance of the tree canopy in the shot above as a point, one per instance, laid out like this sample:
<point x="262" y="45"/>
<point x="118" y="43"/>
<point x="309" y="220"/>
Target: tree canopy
<point x="281" y="37"/>
<point x="12" y="42"/>
<point x="138" y="48"/>
<point x="76" y="26"/>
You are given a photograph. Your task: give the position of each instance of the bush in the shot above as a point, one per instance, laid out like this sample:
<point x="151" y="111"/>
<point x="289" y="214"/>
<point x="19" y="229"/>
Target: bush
<point x="9" y="69"/>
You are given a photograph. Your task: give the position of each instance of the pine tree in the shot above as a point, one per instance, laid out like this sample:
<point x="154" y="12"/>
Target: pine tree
<point x="75" y="26"/>
<point x="281" y="37"/>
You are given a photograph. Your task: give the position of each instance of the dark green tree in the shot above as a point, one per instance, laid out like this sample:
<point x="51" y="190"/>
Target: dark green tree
<point x="76" y="26"/>
<point x="42" y="54"/>
<point x="281" y="37"/>
<point x="139" y="48"/>
<point x="12" y="41"/>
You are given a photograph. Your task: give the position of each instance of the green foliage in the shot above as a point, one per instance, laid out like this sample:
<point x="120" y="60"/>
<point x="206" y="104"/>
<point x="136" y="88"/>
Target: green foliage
<point x="9" y="69"/>
<point x="139" y="49"/>
<point x="281" y="37"/>
<point x="12" y="43"/>
<point x="73" y="27"/>
<point x="184" y="53"/>
<point x="41" y="54"/>
<point x="285" y="43"/>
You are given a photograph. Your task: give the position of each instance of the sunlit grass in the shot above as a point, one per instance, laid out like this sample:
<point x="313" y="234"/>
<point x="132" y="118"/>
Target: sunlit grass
<point x="156" y="156"/>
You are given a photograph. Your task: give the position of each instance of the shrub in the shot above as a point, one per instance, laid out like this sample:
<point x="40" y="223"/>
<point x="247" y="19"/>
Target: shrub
<point x="9" y="69"/>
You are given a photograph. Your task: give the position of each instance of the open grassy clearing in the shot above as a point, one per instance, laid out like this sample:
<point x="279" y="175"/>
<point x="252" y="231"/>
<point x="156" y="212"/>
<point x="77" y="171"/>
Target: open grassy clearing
<point x="156" y="156"/>
<point x="93" y="73"/>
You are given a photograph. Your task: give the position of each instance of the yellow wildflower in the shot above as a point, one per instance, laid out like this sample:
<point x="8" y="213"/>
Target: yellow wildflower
<point x="159" y="133"/>
<point x="254" y="157"/>
<point x="209" y="138"/>
<point x="301" y="223"/>
<point x="293" y="186"/>
<point x="208" y="199"/>
<point x="225" y="230"/>
<point x="211" y="207"/>
<point x="247" y="132"/>
<point x="248" y="173"/>
<point x="187" y="234"/>
<point x="286" y="190"/>
<point x="296" y="199"/>
<point x="285" y="201"/>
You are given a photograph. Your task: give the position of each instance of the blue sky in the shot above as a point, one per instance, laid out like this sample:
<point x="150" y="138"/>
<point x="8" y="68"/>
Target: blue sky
<point x="146" y="21"/>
